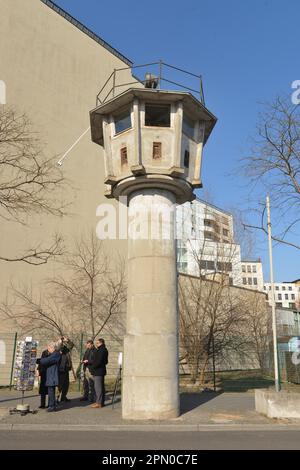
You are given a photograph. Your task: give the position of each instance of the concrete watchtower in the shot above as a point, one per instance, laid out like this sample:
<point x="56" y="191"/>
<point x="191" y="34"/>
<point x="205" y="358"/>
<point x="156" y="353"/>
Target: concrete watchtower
<point x="153" y="141"/>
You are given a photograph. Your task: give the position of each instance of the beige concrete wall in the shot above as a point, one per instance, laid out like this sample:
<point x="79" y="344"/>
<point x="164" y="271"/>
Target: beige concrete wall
<point x="53" y="72"/>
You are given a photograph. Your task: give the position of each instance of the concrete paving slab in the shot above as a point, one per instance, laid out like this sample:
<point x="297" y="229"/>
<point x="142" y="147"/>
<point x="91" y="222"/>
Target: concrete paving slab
<point x="198" y="410"/>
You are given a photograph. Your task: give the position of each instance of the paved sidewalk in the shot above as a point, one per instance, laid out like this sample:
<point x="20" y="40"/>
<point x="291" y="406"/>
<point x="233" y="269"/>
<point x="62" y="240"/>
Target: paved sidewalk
<point x="217" y="411"/>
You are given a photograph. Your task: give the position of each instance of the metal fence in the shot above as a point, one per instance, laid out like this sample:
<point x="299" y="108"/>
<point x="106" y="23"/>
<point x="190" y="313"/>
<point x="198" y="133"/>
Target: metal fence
<point x="289" y="371"/>
<point x="8" y="342"/>
<point x="115" y="84"/>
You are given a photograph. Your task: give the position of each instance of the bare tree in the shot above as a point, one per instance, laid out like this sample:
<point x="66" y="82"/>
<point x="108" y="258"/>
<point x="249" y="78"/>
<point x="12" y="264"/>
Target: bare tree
<point x="214" y="312"/>
<point x="40" y="315"/>
<point x="257" y="333"/>
<point x="30" y="183"/>
<point x="210" y="315"/>
<point x="275" y="163"/>
<point x="96" y="288"/>
<point x="210" y="322"/>
<point x="90" y="298"/>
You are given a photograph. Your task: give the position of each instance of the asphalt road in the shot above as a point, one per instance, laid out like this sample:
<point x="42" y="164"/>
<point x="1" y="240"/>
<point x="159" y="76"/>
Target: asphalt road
<point x="77" y="440"/>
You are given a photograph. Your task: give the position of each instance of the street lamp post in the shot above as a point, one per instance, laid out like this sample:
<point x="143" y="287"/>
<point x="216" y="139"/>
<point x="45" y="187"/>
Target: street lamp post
<point x="274" y="325"/>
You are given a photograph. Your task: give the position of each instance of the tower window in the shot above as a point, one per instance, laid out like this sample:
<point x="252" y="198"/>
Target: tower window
<point x="157" y="115"/>
<point x="188" y="126"/>
<point x="156" y="150"/>
<point x="122" y="121"/>
<point x="124" y="159"/>
<point x="186" y="159"/>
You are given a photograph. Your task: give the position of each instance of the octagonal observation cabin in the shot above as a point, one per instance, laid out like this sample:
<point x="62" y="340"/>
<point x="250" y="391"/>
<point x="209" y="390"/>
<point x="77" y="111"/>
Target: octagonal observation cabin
<point x="151" y="137"/>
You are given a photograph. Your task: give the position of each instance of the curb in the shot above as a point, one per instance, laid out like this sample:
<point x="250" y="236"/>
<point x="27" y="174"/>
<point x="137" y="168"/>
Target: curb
<point x="150" y="427"/>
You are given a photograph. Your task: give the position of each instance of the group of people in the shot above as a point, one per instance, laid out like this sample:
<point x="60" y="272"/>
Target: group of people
<point x="54" y="367"/>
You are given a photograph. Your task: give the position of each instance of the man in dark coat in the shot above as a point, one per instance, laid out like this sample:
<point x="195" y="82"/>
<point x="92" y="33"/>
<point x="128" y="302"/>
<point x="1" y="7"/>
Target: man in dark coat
<point x="43" y="391"/>
<point x="63" y="373"/>
<point x="51" y="363"/>
<point x="88" y="382"/>
<point x="98" y="370"/>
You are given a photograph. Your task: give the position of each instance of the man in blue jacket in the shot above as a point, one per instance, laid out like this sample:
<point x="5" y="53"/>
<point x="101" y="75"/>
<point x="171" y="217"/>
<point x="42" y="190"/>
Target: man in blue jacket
<point x="51" y="364"/>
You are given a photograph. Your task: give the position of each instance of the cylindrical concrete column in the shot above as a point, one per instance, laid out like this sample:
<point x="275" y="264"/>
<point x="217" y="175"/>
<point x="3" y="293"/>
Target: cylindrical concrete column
<point x="150" y="371"/>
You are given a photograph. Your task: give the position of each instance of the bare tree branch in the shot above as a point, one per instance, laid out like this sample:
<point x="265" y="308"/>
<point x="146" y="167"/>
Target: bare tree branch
<point x="30" y="183"/>
<point x="89" y="299"/>
<point x="275" y="163"/>
<point x="39" y="255"/>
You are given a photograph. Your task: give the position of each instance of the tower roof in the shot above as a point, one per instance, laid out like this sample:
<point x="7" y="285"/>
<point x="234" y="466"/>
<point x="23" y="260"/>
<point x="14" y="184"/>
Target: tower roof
<point x="195" y="107"/>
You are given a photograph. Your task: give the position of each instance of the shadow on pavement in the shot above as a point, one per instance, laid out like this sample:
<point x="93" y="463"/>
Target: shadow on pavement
<point x="190" y="401"/>
<point x="76" y="403"/>
<point x="18" y="398"/>
<point x="242" y="384"/>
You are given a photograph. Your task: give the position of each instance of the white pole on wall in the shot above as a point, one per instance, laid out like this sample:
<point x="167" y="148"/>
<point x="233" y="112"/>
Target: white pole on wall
<point x="274" y="325"/>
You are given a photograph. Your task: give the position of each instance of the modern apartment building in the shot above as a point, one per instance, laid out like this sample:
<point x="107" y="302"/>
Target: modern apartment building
<point x="287" y="294"/>
<point x="206" y="241"/>
<point x="252" y="274"/>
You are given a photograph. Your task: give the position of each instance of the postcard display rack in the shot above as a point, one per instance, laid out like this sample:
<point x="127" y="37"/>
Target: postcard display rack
<point x="24" y="371"/>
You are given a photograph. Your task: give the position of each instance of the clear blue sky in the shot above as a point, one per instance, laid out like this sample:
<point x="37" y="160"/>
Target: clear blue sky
<point x="247" y="52"/>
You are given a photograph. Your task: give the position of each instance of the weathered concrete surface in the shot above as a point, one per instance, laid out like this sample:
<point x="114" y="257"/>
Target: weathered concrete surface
<point x="277" y="404"/>
<point x="150" y="374"/>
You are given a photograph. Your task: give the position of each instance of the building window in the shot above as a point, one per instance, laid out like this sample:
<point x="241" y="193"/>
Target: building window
<point x="157" y="115"/>
<point x="182" y="266"/>
<point x="293" y="296"/>
<point x="206" y="264"/>
<point x="186" y="160"/>
<point x="254" y="268"/>
<point x="223" y="266"/>
<point x="122" y="121"/>
<point x="286" y="296"/>
<point x="283" y="287"/>
<point x="290" y="287"/>
<point x="225" y="232"/>
<point x="276" y="287"/>
<point x="244" y="281"/>
<point x="265" y="288"/>
<point x="248" y="269"/>
<point x="279" y="296"/>
<point x="209" y="236"/>
<point x="270" y="287"/>
<point x="188" y="126"/>
<point x="292" y="305"/>
<point x="255" y="281"/>
<point x="156" y="150"/>
<point x="243" y="268"/>
<point x="208" y="222"/>
<point x="124" y="159"/>
<point x="181" y="251"/>
<point x="250" y="281"/>
<point x="278" y="304"/>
